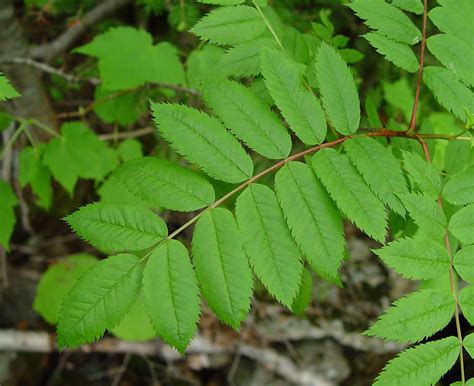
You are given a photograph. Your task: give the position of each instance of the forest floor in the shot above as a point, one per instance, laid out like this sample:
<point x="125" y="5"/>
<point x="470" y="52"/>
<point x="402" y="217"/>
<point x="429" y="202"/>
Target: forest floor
<point x="324" y="348"/>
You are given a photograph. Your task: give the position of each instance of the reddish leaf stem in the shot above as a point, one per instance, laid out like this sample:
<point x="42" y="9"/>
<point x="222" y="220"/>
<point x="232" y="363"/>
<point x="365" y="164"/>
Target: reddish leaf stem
<point x="420" y="70"/>
<point x="379" y="133"/>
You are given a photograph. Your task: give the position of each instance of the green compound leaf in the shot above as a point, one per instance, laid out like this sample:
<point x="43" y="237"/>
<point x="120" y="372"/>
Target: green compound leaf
<point x="202" y="140"/>
<point x="387" y="19"/>
<point x="78" y="153"/>
<point x="57" y="281"/>
<point x="449" y="91"/>
<point x="399" y="95"/>
<point x="451" y="52"/>
<point x="230" y="25"/>
<point x="113" y="191"/>
<point x="222" y="267"/>
<point x="416" y="259"/>
<point x="244" y="59"/>
<point x="135" y="325"/>
<point x="150" y="64"/>
<point x="422" y="174"/>
<point x="8" y="201"/>
<point x="350" y="192"/>
<point x="371" y="110"/>
<point x="303" y="298"/>
<point x="299" y="106"/>
<point x="162" y="183"/>
<point x="171" y="294"/>
<point x="469" y="382"/>
<point x="414" y="6"/>
<point x="415" y="317"/>
<point x="248" y="118"/>
<point x="468" y="344"/>
<point x="398" y="53"/>
<point x="122" y="109"/>
<point x="338" y="90"/>
<point x="99" y="300"/>
<point x="380" y="170"/>
<point x="312" y="218"/>
<point x="7" y="225"/>
<point x="34" y="173"/>
<point x="466" y="302"/>
<point x="459" y="190"/>
<point x="273" y="254"/>
<point x="461" y="224"/>
<point x="454" y="18"/>
<point x="117" y="226"/>
<point x="202" y="64"/>
<point x="424" y="364"/>
<point x="456" y="156"/>
<point x="7" y="196"/>
<point x="7" y="91"/>
<point x="426" y="213"/>
<point x="130" y="149"/>
<point x="464" y="263"/>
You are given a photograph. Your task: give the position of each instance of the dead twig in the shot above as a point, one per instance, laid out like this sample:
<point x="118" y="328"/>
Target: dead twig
<point x="50" y="50"/>
<point x="30" y="341"/>
<point x="123" y="368"/>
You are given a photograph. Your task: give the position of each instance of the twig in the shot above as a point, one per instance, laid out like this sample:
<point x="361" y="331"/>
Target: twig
<point x="3" y="269"/>
<point x="128" y="134"/>
<point x="50" y="50"/>
<point x="7" y="157"/>
<point x="50" y="70"/>
<point x="123" y="367"/>
<point x="24" y="209"/>
<point x="7" y="161"/>
<point x="284" y="367"/>
<point x="151" y="368"/>
<point x="302" y="330"/>
<point x="59" y="368"/>
<point x="29" y="341"/>
<point x="92" y="80"/>
<point x="379" y="133"/>
<point x="420" y="70"/>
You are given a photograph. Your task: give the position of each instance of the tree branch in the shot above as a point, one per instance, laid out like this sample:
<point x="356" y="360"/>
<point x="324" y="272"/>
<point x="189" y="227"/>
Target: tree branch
<point x="42" y="342"/>
<point x="412" y="125"/>
<point x="50" y="70"/>
<point x="50" y="50"/>
<point x="379" y="133"/>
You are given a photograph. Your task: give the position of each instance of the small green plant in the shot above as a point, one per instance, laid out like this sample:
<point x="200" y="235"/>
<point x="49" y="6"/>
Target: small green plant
<point x="275" y="90"/>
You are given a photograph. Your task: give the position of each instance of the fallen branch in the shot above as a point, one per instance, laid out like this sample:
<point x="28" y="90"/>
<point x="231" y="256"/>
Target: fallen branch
<point x="293" y="329"/>
<point x="42" y="342"/>
<point x="49" y="70"/>
<point x="50" y="50"/>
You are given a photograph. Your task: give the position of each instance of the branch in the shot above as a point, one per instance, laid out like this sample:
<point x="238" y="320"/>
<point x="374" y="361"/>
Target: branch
<point x="380" y="133"/>
<point x="128" y="134"/>
<point x="50" y="70"/>
<point x="42" y="342"/>
<point x="293" y="329"/>
<point x="93" y="80"/>
<point x="50" y="50"/>
<point x="420" y="70"/>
